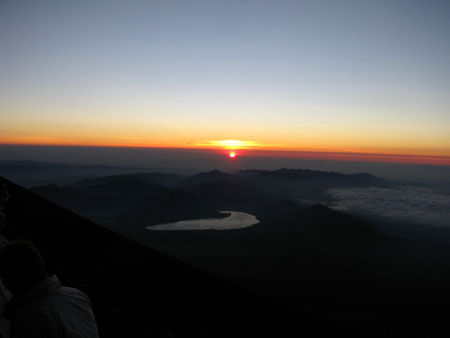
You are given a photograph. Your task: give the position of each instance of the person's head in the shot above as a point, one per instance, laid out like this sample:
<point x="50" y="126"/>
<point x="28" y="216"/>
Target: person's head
<point x="21" y="266"/>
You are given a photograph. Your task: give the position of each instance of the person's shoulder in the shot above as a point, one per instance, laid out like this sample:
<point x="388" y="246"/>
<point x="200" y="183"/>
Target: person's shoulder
<point x="69" y="292"/>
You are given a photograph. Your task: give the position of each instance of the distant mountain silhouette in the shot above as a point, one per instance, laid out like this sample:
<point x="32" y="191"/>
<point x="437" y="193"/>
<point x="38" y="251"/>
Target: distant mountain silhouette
<point x="73" y="199"/>
<point x="145" y="199"/>
<point x="313" y="178"/>
<point x="171" y="206"/>
<point x="302" y="255"/>
<point x="33" y="173"/>
<point x="138" y="292"/>
<point x="212" y="176"/>
<point x="225" y="190"/>
<point x="119" y="186"/>
<point x="160" y="179"/>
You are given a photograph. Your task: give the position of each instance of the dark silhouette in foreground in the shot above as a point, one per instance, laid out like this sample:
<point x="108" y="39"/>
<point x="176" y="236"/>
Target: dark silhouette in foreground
<point x="40" y="306"/>
<point x="139" y="292"/>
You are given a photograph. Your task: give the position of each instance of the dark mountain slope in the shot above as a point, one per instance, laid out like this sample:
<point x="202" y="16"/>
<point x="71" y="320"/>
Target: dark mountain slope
<point x="77" y="201"/>
<point x="160" y="179"/>
<point x="130" y="200"/>
<point x="129" y="187"/>
<point x="225" y="190"/>
<point x="32" y="173"/>
<point x="331" y="262"/>
<point x="171" y="206"/>
<point x="138" y="292"/>
<point x="152" y="198"/>
<point x="212" y="176"/>
<point x="126" y="202"/>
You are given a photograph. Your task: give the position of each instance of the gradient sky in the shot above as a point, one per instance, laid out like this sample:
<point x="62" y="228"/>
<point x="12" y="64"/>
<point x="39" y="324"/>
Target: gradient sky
<point x="332" y="76"/>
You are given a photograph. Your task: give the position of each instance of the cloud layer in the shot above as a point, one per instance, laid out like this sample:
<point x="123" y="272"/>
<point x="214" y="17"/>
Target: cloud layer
<point x="413" y="204"/>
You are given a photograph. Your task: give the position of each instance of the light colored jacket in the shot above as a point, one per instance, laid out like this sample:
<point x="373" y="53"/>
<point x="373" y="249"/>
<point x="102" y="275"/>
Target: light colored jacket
<point x="50" y="310"/>
<point x="5" y="296"/>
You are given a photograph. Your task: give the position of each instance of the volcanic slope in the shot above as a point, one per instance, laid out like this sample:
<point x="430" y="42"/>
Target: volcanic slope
<point x="139" y="292"/>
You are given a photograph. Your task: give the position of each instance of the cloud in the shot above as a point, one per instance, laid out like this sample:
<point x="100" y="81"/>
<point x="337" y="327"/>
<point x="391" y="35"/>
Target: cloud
<point x="413" y="204"/>
<point x="231" y="144"/>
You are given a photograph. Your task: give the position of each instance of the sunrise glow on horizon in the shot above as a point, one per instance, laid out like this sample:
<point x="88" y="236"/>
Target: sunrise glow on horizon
<point x="311" y="154"/>
<point x="342" y="81"/>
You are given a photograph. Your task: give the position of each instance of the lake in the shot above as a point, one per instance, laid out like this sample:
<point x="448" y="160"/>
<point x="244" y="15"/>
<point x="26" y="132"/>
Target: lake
<point x="236" y="220"/>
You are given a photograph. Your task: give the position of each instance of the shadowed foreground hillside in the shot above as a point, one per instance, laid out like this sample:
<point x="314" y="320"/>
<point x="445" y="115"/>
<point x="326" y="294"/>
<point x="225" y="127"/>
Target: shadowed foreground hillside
<point x="139" y="292"/>
<point x="367" y="274"/>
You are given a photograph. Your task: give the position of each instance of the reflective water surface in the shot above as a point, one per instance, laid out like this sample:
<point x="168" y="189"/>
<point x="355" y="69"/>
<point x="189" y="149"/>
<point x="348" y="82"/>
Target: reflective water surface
<point x="236" y="220"/>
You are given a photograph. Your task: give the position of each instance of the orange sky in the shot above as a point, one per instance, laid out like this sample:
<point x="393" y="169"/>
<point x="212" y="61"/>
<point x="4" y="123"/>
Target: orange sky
<point x="351" y="82"/>
<point x="254" y="148"/>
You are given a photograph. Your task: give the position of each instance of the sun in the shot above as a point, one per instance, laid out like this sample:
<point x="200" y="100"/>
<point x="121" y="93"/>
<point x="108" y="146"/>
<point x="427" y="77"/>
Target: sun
<point x="232" y="154"/>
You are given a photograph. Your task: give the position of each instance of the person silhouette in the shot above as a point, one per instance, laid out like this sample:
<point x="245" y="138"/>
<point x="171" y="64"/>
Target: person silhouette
<point x="40" y="306"/>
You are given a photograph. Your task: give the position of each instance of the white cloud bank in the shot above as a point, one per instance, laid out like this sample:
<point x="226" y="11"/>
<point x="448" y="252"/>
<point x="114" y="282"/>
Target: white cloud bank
<point x="413" y="204"/>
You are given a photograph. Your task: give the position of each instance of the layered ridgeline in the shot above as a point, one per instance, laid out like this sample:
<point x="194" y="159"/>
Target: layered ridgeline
<point x="139" y="292"/>
<point x="134" y="200"/>
<point x="353" y="271"/>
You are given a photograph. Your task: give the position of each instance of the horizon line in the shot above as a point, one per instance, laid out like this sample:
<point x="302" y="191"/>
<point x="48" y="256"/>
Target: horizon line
<point x="348" y="156"/>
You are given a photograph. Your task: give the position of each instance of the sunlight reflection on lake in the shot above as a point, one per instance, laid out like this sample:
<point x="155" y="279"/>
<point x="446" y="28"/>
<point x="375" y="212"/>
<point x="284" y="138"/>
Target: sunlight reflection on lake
<point x="236" y="220"/>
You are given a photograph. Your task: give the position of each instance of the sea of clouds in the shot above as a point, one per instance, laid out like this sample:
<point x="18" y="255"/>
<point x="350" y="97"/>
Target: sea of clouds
<point x="409" y="203"/>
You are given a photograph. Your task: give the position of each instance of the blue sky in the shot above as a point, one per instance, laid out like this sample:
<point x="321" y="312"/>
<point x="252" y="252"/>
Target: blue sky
<point x="324" y="75"/>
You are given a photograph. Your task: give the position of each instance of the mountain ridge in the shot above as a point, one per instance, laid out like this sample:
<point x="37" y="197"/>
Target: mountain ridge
<point x="131" y="300"/>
